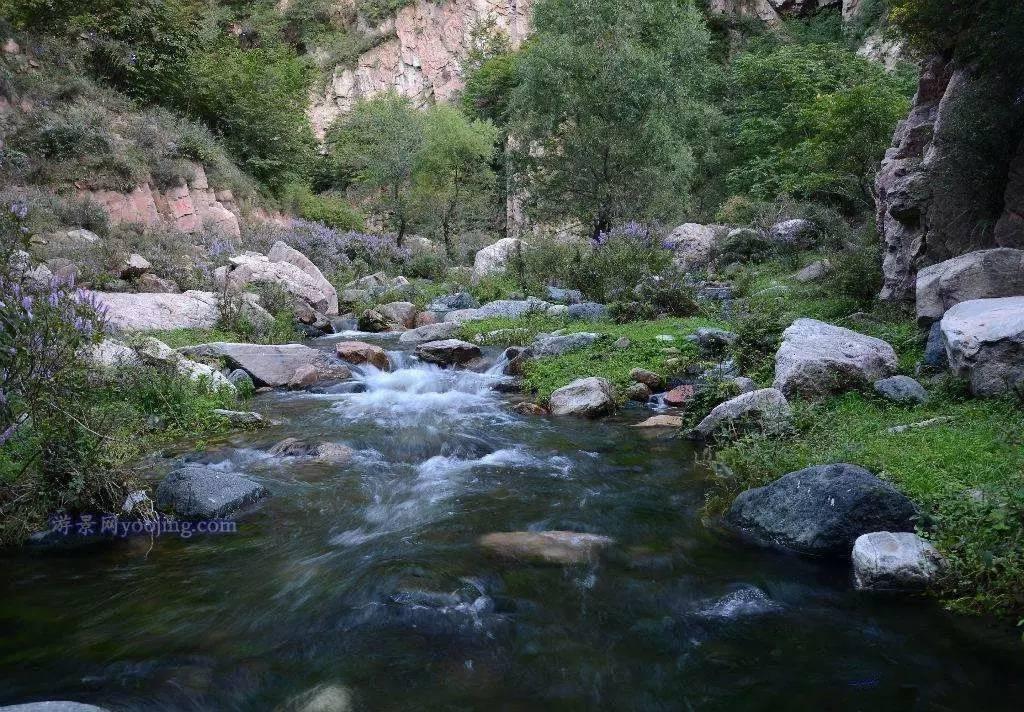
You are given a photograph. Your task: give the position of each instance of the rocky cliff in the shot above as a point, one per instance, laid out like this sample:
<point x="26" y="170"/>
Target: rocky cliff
<point x="423" y="57"/>
<point x="953" y="180"/>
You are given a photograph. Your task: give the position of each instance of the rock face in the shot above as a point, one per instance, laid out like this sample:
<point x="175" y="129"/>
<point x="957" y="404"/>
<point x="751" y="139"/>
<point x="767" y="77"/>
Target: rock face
<point x="984" y="274"/>
<point x="282" y="252"/>
<point x="419" y="54"/>
<point x="587" y="397"/>
<point x="187" y="207"/>
<point x="817" y="359"/>
<point x="694" y="245"/>
<point x="901" y="389"/>
<point x="947" y="179"/>
<point x="156" y="352"/>
<point x="197" y="492"/>
<point x="822" y="509"/>
<point x="271" y="365"/>
<point x="558" y="345"/>
<point x="358" y="352"/>
<point x="495" y="258"/>
<point x="985" y="344"/>
<point x="449" y="352"/>
<point x="894" y="561"/>
<point x="766" y="408"/>
<point x="553" y="547"/>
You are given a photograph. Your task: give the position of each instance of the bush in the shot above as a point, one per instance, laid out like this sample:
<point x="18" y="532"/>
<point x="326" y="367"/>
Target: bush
<point x="759" y="330"/>
<point x="745" y="246"/>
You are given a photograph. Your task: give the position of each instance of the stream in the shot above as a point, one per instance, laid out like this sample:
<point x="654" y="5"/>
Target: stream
<point x="369" y="576"/>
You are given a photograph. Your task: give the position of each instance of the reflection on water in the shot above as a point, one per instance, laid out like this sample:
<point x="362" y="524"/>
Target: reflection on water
<point x="364" y="582"/>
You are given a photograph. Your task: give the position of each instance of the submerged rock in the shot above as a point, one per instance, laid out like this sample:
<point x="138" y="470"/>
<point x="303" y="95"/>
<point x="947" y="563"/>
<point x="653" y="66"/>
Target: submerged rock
<point x="241" y="418"/>
<point x="553" y="547"/>
<point x="817" y="359"/>
<point x="661" y="421"/>
<point x="198" y="492"/>
<point x="322" y="698"/>
<point x="894" y="561"/>
<point x="588" y="397"/>
<point x="822" y="509"/>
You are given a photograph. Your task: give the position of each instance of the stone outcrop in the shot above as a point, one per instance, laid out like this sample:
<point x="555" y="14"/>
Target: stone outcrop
<point x="289" y="269"/>
<point x="188" y="207"/>
<point x="587" y="397"/>
<point x="822" y="509"/>
<point x="495" y="258"/>
<point x="894" y="561"/>
<point x="816" y="359"/>
<point x="553" y="547"/>
<point x="421" y="55"/>
<point x="985" y="344"/>
<point x="766" y="409"/>
<point x="984" y="274"/>
<point x="547" y="345"/>
<point x="146" y="312"/>
<point x="156" y="352"/>
<point x="946" y="183"/>
<point x="694" y="246"/>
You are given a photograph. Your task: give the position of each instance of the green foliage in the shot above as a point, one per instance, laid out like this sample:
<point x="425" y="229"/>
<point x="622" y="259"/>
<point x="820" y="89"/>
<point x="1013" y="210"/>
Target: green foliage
<point x="376" y="11"/>
<point x="331" y="209"/>
<point x="812" y="120"/>
<point x="489" y="88"/>
<point x="611" y="112"/>
<point x="425" y="169"/>
<point x="256" y="98"/>
<point x="986" y="32"/>
<point x="966" y="473"/>
<point x="759" y="330"/>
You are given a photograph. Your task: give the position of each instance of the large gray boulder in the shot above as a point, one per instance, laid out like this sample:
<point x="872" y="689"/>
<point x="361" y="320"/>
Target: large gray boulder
<point x="766" y="409"/>
<point x="430" y="332"/>
<point x="500" y="308"/>
<point x="587" y="397"/>
<point x="557" y="345"/>
<point x="985" y="344"/>
<point x="564" y="296"/>
<point x="448" y="352"/>
<point x="694" y="246"/>
<point x="587" y="311"/>
<point x="271" y="365"/>
<point x="451" y="302"/>
<point x="984" y="274"/>
<point x="149" y="312"/>
<point x="822" y="509"/>
<point x="894" y="561"/>
<point x="817" y="359"/>
<point x="198" y="492"/>
<point x="111" y="353"/>
<point x="495" y="258"/>
<point x="401" y="314"/>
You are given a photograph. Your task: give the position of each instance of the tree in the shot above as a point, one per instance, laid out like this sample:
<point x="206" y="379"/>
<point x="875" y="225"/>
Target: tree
<point x="609" y="111"/>
<point x="812" y="120"/>
<point x="453" y="178"/>
<point x="376" y="147"/>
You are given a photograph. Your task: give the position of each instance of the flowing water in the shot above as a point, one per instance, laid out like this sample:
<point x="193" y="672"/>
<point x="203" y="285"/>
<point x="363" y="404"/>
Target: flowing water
<point x="368" y="576"/>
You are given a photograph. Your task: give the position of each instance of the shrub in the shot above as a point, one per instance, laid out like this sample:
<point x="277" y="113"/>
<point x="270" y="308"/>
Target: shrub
<point x="745" y="246"/>
<point x="759" y="331"/>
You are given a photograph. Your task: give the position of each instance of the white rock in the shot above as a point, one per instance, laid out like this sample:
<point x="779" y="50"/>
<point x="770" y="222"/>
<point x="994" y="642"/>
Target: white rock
<point x="886" y="561"/>
<point x="147" y="312"/>
<point x="282" y="252"/>
<point x="111" y="353"/>
<point x="495" y="258"/>
<point x="694" y="245"/>
<point x="254" y="268"/>
<point x="985" y="344"/>
<point x="157" y="352"/>
<point x="817" y="359"/>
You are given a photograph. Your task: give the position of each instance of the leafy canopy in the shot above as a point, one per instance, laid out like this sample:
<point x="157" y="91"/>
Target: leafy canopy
<point x="609" y="112"/>
<point x="812" y="120"/>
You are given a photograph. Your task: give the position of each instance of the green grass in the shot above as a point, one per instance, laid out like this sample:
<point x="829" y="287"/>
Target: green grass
<point x="176" y="338"/>
<point x="602" y="359"/>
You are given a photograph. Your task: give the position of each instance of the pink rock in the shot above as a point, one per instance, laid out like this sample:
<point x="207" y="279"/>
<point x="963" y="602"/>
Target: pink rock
<point x="679" y="396"/>
<point x="427" y="318"/>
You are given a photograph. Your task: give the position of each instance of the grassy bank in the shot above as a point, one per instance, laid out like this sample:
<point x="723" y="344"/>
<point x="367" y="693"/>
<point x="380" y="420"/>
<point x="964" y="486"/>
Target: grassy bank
<point x="607" y="358"/>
